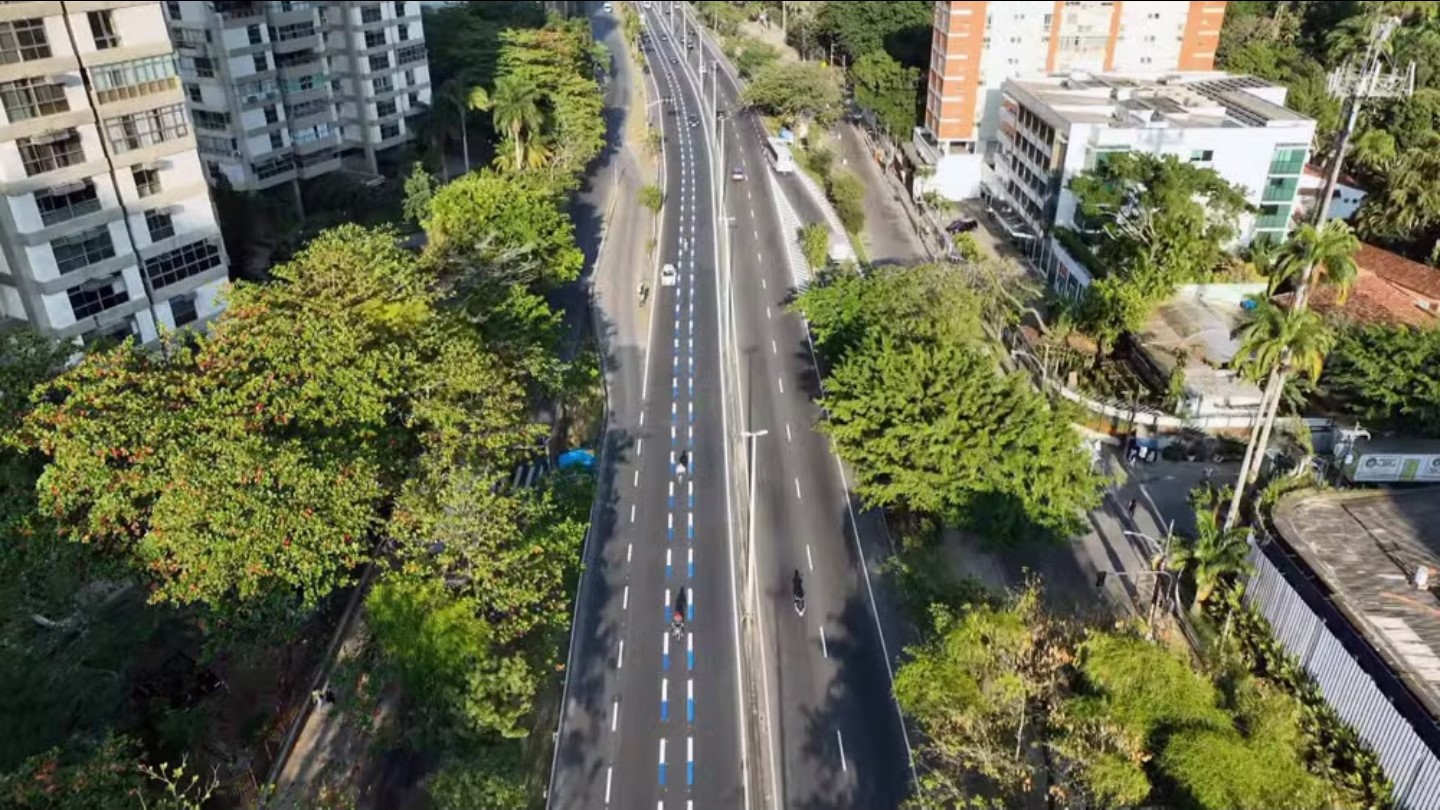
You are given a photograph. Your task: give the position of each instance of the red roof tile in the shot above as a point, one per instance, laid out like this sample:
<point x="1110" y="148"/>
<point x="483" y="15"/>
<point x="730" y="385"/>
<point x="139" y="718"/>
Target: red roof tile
<point x="1397" y="269"/>
<point x="1375" y="300"/>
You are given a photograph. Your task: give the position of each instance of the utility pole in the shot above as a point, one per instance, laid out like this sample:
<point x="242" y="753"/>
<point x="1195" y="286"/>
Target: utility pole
<point x="1355" y="83"/>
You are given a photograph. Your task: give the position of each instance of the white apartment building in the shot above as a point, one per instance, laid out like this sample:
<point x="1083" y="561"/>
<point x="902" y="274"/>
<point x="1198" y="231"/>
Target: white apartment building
<point x="281" y="91"/>
<point x="1055" y="127"/>
<point x="107" y="228"/>
<point x="977" y="45"/>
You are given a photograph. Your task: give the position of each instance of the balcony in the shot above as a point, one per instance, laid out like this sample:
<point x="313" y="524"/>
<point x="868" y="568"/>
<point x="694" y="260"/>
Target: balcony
<point x="239" y="10"/>
<point x="926" y="147"/>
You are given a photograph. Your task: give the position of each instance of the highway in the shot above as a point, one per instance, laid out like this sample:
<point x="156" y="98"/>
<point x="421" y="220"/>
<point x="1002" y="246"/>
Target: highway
<point x="833" y="734"/>
<point x="651" y="718"/>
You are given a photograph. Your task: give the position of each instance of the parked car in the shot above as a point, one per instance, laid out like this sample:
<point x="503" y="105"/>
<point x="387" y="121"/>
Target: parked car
<point x="668" y="276"/>
<point x="962" y="225"/>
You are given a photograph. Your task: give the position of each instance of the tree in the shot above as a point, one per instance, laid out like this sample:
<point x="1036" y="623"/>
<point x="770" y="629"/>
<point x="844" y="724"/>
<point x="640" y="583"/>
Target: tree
<point x="652" y="198"/>
<point x="796" y="91"/>
<point x="899" y="29"/>
<point x="1328" y="251"/>
<point x="815" y="244"/>
<point x="1155" y="222"/>
<point x="516" y="106"/>
<point x="1387" y="376"/>
<point x="978" y="690"/>
<point x="503" y="229"/>
<point x="104" y="776"/>
<point x="247" y="469"/>
<point x="848" y="194"/>
<point x="420" y="189"/>
<point x="752" y="56"/>
<point x="889" y="89"/>
<point x="1408" y="204"/>
<point x="493" y="778"/>
<point x="465" y="98"/>
<point x="1215" y="555"/>
<point x="559" y="63"/>
<point x="1275" y="340"/>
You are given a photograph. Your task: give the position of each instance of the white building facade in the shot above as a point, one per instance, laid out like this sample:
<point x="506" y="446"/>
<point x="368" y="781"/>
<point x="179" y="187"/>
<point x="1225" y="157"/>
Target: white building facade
<point x="281" y="91"/>
<point x="107" y="227"/>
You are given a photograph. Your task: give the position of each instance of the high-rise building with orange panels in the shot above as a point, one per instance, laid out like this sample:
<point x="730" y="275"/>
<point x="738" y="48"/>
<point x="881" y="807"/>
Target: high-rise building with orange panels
<point x="976" y="45"/>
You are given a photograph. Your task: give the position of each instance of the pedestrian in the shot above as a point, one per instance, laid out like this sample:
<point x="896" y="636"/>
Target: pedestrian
<point x="1131" y="508"/>
<point x="316" y="697"/>
<point x="329" y="694"/>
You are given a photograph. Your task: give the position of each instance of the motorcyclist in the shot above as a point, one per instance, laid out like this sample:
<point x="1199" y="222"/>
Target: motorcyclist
<point x="644" y="292"/>
<point x="681" y="464"/>
<point x="797" y="587"/>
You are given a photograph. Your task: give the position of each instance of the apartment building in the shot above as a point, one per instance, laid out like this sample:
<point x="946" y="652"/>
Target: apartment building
<point x="1055" y="127"/>
<point x="282" y="91"/>
<point x="107" y="229"/>
<point x="977" y="45"/>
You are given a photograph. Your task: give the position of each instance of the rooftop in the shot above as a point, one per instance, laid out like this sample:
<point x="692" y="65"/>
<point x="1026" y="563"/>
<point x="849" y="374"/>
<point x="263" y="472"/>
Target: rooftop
<point x="1398" y="270"/>
<point x="1157" y="101"/>
<point x="1374" y="300"/>
<point x="1366" y="548"/>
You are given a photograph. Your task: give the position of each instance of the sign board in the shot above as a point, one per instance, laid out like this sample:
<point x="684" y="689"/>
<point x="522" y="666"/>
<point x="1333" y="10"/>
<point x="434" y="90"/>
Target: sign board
<point x="1393" y="467"/>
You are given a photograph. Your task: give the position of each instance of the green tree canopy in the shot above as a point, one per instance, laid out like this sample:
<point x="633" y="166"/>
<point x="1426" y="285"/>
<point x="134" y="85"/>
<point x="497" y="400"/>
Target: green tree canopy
<point x="900" y="29"/>
<point x="560" y="63"/>
<point x="796" y="91"/>
<point x="1387" y="376"/>
<point x="889" y="89"/>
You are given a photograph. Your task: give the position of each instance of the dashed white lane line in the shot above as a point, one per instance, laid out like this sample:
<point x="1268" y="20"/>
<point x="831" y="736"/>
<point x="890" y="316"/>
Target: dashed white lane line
<point x="614" y="716"/>
<point x="620" y="656"/>
<point x="642" y="419"/>
<point x="636" y="481"/>
<point x="797" y="488"/>
<point x="824" y="648"/>
<point x="625" y="596"/>
<point x="768" y="315"/>
<point x="763" y="285"/>
<point x="841" y="740"/>
<point x="609" y="774"/>
<point x="810" y="561"/>
<point x="788" y="437"/>
<point x="639" y="448"/>
<point x="629" y="549"/>
<point x="757" y="233"/>
<point x="773" y="350"/>
<point x="781" y="381"/>
<point x="632" y="513"/>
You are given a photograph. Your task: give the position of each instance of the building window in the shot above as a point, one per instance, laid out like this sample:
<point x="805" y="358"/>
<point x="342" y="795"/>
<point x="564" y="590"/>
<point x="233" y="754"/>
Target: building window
<point x="274" y="166"/>
<point x="147" y="181"/>
<point x="142" y="129"/>
<point x="83" y="249"/>
<point x="308" y="108"/>
<point x="172" y="9"/>
<point x="384" y="84"/>
<point x="253" y="32"/>
<point x="64" y="203"/>
<point x="262" y="63"/>
<point x="133" y="79"/>
<point x="161" y="225"/>
<point x="219" y="147"/>
<point x="1287" y="160"/>
<point x="94" y="298"/>
<point x="1202" y="155"/>
<point x="415" y="103"/>
<point x="102" y="27"/>
<point x="311" y="134"/>
<point x="292" y="31"/>
<point x="205" y="119"/>
<point x="23" y="40"/>
<point x="375" y="39"/>
<point x="1273" y="216"/>
<point x="182" y="310"/>
<point x="369" y="14"/>
<point x="31" y="98"/>
<point x="46" y="153"/>
<point x="404" y="32"/>
<point x="385" y="109"/>
<point x="1281" y="189"/>
<point x="192" y="92"/>
<point x="272" y="115"/>
<point x="389" y="131"/>
<point x="277" y="141"/>
<point x="182" y="263"/>
<point x="399" y="8"/>
<point x="380" y="61"/>
<point x="409" y="78"/>
<point x="411" y="54"/>
<point x="200" y="67"/>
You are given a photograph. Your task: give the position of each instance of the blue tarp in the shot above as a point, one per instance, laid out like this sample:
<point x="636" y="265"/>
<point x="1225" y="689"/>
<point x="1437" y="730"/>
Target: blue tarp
<point x="577" y="458"/>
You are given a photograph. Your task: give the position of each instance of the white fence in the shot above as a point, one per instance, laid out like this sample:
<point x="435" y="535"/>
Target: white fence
<point x="1317" y="634"/>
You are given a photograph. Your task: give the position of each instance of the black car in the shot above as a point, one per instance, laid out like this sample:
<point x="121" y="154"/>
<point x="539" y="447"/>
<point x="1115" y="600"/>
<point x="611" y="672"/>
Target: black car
<point x="962" y="225"/>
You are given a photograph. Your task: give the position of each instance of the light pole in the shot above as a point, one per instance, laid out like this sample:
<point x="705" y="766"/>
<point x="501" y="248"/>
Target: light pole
<point x="1159" y="569"/>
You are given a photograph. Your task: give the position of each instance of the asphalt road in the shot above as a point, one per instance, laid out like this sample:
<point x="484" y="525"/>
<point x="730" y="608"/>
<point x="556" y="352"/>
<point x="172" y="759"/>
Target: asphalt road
<point x="834" y="734"/>
<point x="653" y="719"/>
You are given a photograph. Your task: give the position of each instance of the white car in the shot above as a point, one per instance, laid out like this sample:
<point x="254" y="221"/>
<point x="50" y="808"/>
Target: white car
<point x="608" y="8"/>
<point x="668" y="276"/>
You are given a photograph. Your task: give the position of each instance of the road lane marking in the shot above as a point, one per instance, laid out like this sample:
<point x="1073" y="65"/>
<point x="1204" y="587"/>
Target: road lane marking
<point x="757" y="233"/>
<point x="666" y="603"/>
<point x="690" y="651"/>
<point x="808" y="559"/>
<point x="640" y="447"/>
<point x="690" y="604"/>
<point x="632" y="513"/>
<point x="690" y="493"/>
<point x="642" y="419"/>
<point x="690" y="525"/>
<point x="690" y="760"/>
<point x="797" y="488"/>
<point x="841" y="740"/>
<point x="824" y="648"/>
<point x="762" y="283"/>
<point x="689" y="700"/>
<point x="662" y="763"/>
<point x="629" y="549"/>
<point x="768" y="315"/>
<point x="788" y="437"/>
<point x="625" y="599"/>
<point x="620" y="656"/>
<point x="781" y="382"/>
<point x="609" y="772"/>
<point x="665" y="652"/>
<point x="668" y="568"/>
<point x="664" y="700"/>
<point x="773" y="349"/>
<point x="690" y="563"/>
<point x="614" y="714"/>
<point x="670" y="526"/>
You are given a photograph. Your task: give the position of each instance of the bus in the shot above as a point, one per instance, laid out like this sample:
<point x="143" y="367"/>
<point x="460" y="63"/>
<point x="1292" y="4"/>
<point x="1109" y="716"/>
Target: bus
<point x="779" y="156"/>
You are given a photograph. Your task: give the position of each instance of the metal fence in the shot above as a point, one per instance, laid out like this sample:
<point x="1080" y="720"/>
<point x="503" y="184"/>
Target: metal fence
<point x="1351" y="676"/>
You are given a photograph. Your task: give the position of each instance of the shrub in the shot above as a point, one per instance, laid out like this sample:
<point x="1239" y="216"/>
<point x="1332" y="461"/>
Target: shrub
<point x="652" y="197"/>
<point x="815" y="244"/>
<point x="848" y="194"/>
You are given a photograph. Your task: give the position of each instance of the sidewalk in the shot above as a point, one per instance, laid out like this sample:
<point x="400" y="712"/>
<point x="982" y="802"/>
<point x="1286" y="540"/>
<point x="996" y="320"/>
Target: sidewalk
<point x="890" y="233"/>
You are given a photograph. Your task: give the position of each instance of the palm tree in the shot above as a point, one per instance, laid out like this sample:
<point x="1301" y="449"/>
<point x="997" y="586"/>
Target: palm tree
<point x="1215" y="554"/>
<point x="516" y="107"/>
<point x="463" y="98"/>
<point x="1284" y="340"/>
<point x="1410" y="200"/>
<point x="1328" y="250"/>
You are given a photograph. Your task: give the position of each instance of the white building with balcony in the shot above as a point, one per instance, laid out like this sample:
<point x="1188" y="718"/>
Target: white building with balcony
<point x="1053" y="128"/>
<point x="281" y="91"/>
<point x="107" y="228"/>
